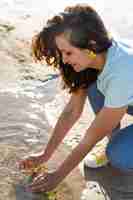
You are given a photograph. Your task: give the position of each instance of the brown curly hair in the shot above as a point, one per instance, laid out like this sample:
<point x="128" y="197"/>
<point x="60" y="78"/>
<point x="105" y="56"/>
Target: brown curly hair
<point x="84" y="25"/>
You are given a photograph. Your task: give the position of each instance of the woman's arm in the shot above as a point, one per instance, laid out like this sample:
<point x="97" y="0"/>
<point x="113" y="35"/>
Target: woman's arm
<point x="106" y="120"/>
<point x="69" y="116"/>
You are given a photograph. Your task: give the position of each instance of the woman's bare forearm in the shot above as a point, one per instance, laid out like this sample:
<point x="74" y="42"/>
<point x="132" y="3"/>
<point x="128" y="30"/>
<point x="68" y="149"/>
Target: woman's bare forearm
<point x="65" y="122"/>
<point x="106" y="120"/>
<point x="67" y="119"/>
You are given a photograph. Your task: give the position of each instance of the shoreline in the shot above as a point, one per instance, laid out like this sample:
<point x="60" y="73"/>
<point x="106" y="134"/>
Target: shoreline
<point x="23" y="123"/>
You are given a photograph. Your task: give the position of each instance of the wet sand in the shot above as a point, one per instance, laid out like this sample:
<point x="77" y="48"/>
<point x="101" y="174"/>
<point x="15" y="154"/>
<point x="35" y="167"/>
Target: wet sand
<point x="24" y="127"/>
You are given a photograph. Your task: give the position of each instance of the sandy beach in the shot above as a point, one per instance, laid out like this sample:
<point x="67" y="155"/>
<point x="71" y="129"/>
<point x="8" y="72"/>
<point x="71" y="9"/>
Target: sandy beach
<point x="31" y="100"/>
<point x="25" y="88"/>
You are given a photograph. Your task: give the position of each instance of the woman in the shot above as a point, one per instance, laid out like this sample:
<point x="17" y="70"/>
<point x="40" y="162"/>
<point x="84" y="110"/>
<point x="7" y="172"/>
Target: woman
<point x="93" y="65"/>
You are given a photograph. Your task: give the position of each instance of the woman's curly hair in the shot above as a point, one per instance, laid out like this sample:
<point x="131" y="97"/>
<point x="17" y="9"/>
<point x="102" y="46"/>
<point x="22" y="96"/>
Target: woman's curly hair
<point x="84" y="25"/>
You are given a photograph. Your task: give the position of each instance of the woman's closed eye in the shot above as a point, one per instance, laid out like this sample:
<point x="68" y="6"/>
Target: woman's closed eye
<point x="68" y="53"/>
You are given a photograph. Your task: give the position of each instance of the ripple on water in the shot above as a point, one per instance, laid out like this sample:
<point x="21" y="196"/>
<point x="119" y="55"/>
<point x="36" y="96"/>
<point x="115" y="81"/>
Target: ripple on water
<point x="24" y="129"/>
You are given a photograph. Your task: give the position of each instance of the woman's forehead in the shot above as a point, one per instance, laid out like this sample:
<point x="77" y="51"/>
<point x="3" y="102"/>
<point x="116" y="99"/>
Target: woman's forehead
<point x="63" y="43"/>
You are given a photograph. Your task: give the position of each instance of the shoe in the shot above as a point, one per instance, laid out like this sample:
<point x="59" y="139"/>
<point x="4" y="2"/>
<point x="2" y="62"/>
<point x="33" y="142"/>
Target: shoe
<point x="97" y="156"/>
<point x="93" y="190"/>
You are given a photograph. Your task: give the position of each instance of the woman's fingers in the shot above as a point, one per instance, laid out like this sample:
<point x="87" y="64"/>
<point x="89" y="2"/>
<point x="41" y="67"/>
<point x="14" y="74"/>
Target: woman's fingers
<point x="43" y="182"/>
<point x="38" y="183"/>
<point x="26" y="163"/>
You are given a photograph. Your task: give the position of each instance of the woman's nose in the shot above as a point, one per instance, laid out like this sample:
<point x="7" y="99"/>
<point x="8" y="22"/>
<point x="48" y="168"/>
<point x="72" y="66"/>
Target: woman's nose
<point x="65" y="59"/>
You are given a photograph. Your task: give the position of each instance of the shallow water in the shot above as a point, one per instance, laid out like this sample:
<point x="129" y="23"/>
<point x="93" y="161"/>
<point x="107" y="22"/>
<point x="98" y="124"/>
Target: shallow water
<point x="29" y="108"/>
<point x="22" y="112"/>
<point x="24" y="129"/>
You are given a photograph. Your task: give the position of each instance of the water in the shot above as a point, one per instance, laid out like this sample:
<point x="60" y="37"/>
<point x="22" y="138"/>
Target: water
<point x="22" y="112"/>
<point x="24" y="129"/>
<point x="29" y="108"/>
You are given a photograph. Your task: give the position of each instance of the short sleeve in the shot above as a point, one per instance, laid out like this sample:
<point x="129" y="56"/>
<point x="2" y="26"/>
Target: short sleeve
<point x="119" y="93"/>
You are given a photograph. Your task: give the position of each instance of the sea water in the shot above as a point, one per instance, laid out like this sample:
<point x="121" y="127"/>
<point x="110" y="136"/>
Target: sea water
<point x="28" y="108"/>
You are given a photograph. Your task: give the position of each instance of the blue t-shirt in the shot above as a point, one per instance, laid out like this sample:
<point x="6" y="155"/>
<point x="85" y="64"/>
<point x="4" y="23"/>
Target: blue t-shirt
<point x="116" y="80"/>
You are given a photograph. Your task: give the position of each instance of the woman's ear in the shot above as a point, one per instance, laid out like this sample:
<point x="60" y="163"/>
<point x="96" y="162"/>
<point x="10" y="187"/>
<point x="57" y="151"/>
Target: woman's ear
<point x="90" y="53"/>
<point x="93" y="42"/>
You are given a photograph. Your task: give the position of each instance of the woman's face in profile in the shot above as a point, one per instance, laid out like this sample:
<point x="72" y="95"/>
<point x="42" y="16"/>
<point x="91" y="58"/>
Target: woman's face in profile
<point x="74" y="56"/>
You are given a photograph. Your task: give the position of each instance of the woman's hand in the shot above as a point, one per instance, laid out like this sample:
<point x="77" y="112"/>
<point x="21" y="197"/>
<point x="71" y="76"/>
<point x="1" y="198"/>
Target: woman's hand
<point x="45" y="182"/>
<point x="31" y="161"/>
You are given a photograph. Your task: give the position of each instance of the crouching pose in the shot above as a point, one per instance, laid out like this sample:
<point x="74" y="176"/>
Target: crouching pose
<point x="92" y="64"/>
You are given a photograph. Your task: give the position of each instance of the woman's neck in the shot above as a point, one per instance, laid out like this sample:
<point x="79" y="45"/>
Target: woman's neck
<point x="100" y="61"/>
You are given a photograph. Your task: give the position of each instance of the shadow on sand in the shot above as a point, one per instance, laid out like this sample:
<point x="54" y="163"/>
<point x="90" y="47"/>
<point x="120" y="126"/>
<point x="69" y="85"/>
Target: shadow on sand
<point x="22" y="195"/>
<point x="113" y="185"/>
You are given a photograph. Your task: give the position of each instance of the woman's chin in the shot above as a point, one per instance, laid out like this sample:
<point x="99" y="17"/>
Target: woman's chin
<point x="77" y="69"/>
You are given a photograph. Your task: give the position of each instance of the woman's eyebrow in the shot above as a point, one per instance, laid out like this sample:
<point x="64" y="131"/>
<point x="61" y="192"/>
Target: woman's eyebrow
<point x="63" y="50"/>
